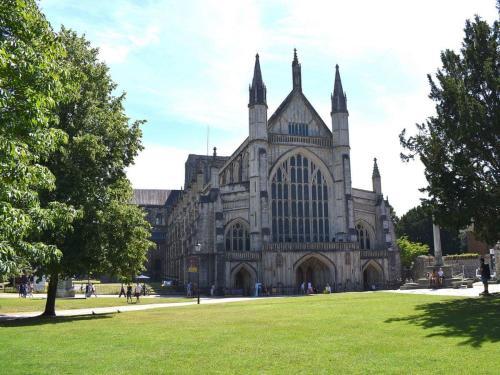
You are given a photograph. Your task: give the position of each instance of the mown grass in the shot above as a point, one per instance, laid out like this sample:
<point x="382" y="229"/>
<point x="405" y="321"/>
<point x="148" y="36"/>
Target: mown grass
<point x="362" y="333"/>
<point x="13" y="305"/>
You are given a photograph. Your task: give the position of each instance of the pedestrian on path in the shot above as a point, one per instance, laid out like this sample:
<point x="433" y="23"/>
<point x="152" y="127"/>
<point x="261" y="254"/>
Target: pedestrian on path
<point x="137" y="292"/>
<point x="129" y="293"/>
<point x="93" y="290"/>
<point x="122" y="291"/>
<point x="485" y="276"/>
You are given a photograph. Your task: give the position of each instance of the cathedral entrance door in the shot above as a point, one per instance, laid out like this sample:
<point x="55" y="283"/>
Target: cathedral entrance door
<point x="316" y="272"/>
<point x="243" y="281"/>
<point x="372" y="277"/>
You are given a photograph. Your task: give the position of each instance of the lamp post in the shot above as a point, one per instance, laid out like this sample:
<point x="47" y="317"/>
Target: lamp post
<point x="197" y="248"/>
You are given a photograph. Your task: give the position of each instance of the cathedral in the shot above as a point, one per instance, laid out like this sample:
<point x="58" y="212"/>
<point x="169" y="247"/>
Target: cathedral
<point x="281" y="211"/>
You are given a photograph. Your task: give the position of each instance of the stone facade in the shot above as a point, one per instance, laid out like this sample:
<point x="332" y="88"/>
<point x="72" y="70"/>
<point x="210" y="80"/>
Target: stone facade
<point x="281" y="209"/>
<point x="154" y="204"/>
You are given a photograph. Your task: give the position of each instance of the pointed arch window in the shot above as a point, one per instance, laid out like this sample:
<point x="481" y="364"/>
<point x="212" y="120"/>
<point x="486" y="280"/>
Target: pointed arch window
<point x="364" y="239"/>
<point x="299" y="202"/>
<point x="237" y="237"/>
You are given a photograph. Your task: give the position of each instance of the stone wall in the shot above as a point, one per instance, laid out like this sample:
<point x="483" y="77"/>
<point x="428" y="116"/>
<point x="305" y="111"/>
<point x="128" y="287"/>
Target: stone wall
<point x="466" y="267"/>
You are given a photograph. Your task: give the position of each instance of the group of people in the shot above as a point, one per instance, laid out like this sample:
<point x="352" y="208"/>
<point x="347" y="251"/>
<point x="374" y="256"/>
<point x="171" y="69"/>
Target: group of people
<point x="137" y="291"/>
<point x="436" y="279"/>
<point x="26" y="290"/>
<point x="312" y="290"/>
<point x="89" y="290"/>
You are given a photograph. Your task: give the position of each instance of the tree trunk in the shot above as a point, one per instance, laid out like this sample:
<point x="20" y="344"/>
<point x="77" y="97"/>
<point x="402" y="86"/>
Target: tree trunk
<point x="50" y="305"/>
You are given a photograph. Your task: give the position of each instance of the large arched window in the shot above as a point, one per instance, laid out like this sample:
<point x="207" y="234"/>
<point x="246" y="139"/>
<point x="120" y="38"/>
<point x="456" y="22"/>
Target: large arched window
<point x="299" y="195"/>
<point x="363" y="237"/>
<point x="237" y="237"/>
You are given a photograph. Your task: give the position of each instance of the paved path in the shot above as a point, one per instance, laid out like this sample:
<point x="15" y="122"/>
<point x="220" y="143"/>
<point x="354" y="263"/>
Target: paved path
<point x="44" y="295"/>
<point x="461" y="292"/>
<point x="118" y="309"/>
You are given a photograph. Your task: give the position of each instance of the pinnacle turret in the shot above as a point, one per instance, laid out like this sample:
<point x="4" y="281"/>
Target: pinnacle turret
<point x="296" y="73"/>
<point x="257" y="90"/>
<point x="339" y="99"/>
<point x="376" y="172"/>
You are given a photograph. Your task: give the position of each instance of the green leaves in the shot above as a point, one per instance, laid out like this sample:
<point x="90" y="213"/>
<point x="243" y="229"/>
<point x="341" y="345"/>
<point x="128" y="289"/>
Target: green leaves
<point x="30" y="87"/>
<point x="410" y="250"/>
<point x="460" y="146"/>
<point x="109" y="235"/>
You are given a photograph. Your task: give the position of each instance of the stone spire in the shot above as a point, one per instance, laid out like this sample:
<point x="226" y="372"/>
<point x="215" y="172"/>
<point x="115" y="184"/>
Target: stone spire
<point x="376" y="172"/>
<point x="339" y="99"/>
<point x="296" y="74"/>
<point x="376" y="180"/>
<point x="257" y="90"/>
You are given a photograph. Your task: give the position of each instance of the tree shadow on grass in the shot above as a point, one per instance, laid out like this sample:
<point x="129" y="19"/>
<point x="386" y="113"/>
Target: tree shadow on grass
<point x="43" y="320"/>
<point x="475" y="319"/>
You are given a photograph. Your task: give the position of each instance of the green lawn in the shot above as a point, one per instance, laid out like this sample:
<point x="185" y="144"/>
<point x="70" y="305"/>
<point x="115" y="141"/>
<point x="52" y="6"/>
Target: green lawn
<point x="361" y="333"/>
<point x="13" y="305"/>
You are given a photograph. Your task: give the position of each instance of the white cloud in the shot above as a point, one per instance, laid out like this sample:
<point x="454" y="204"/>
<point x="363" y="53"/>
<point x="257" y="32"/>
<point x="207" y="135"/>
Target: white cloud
<point x="158" y="167"/>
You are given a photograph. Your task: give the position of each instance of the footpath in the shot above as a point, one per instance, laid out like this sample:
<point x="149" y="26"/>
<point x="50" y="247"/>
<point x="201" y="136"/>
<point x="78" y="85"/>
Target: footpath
<point x="462" y="292"/>
<point x="126" y="308"/>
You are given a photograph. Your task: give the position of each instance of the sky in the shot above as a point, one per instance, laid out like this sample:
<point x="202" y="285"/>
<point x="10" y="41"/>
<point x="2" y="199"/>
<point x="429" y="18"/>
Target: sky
<point x="186" y="66"/>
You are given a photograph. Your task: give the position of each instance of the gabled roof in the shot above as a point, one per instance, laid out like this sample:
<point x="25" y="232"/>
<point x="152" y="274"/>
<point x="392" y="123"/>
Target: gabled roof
<point x="150" y="197"/>
<point x="282" y="107"/>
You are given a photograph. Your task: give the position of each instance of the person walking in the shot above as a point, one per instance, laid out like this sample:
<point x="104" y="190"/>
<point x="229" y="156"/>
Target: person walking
<point x="137" y="293"/>
<point x="122" y="291"/>
<point x="129" y="293"/>
<point x="303" y="288"/>
<point x="484" y="269"/>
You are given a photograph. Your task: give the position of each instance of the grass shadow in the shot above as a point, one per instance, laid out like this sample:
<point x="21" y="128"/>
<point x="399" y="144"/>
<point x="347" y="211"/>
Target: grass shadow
<point x="475" y="319"/>
<point x="43" y="320"/>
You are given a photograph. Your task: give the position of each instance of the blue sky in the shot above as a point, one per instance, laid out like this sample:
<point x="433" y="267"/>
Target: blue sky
<point x="186" y="65"/>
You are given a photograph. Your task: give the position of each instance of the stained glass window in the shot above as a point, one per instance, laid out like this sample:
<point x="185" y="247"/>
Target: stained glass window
<point x="299" y="198"/>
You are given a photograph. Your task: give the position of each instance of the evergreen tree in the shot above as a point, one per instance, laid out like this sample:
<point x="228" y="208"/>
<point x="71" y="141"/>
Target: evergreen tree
<point x="459" y="146"/>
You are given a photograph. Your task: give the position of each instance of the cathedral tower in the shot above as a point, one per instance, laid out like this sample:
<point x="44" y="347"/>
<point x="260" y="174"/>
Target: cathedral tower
<point x="257" y="161"/>
<point x="342" y="164"/>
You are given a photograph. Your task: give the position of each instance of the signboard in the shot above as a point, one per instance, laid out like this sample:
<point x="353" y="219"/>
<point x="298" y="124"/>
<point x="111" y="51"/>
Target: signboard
<point x="193" y="264"/>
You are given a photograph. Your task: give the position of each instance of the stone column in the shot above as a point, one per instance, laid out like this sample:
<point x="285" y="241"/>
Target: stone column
<point x="438" y="254"/>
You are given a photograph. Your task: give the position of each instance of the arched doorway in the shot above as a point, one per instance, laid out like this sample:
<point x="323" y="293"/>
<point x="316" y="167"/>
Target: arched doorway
<point x="243" y="281"/>
<point x="315" y="271"/>
<point x="372" y="277"/>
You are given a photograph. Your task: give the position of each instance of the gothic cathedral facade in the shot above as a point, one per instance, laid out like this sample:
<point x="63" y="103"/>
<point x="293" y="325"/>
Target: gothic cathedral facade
<point x="281" y="209"/>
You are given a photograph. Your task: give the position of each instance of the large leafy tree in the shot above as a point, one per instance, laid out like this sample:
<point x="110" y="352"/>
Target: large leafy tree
<point x="459" y="146"/>
<point x="110" y="235"/>
<point x="30" y="86"/>
<point x="416" y="224"/>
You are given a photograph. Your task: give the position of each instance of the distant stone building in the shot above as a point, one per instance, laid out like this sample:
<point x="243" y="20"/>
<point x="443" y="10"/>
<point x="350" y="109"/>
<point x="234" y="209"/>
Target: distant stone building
<point x="154" y="203"/>
<point x="281" y="209"/>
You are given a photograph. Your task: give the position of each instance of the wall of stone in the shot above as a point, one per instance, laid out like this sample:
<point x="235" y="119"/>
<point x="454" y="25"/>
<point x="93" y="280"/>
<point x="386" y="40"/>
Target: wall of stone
<point x="466" y="267"/>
